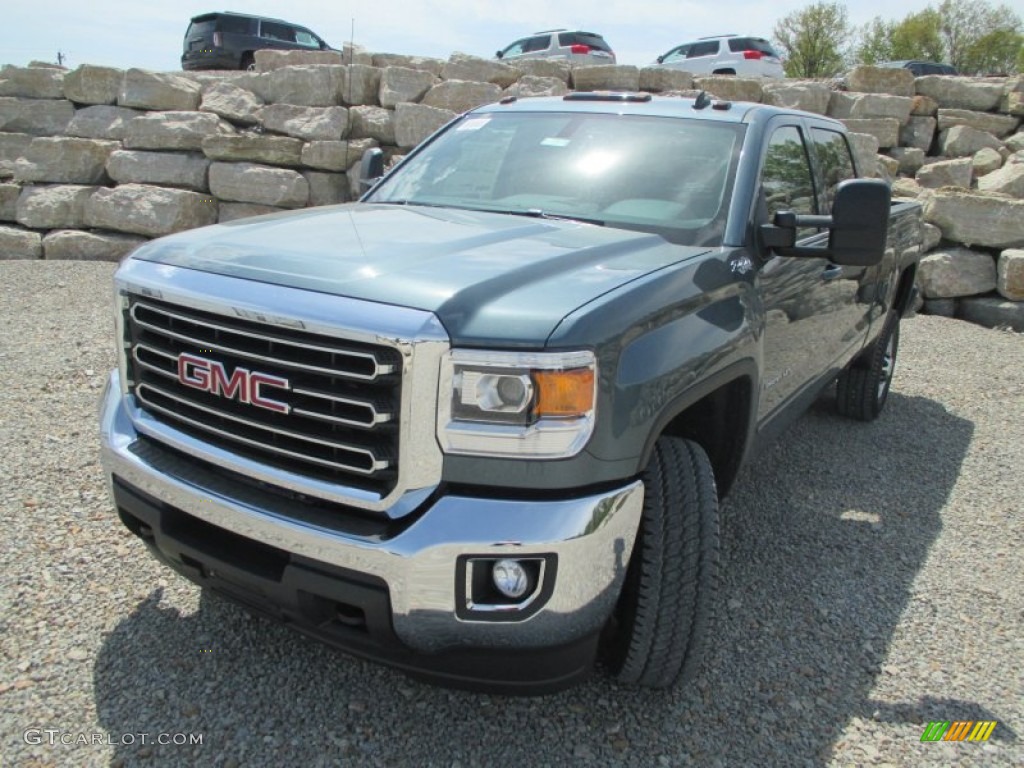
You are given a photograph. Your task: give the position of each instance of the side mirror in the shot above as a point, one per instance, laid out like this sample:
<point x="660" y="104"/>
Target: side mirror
<point x="498" y="55"/>
<point x="371" y="168"/>
<point x="661" y="59"/>
<point x="858" y="226"/>
<point x="860" y="222"/>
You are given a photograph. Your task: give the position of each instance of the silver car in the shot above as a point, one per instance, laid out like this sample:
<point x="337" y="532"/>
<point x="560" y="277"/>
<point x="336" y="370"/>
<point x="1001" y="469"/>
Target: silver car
<point x="744" y="56"/>
<point x="576" y="47"/>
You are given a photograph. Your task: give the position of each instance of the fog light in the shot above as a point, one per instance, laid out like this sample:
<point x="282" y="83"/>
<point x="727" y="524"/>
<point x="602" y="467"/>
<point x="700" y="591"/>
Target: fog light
<point x="510" y="578"/>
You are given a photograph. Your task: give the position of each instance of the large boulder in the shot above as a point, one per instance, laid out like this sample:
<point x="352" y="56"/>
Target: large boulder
<point x="302" y="86"/>
<point x="885" y="129"/>
<point x="335" y="155"/>
<point x="729" y="88"/>
<point x="932" y="237"/>
<point x="18" y="243"/>
<point x="984" y="219"/>
<point x="993" y="312"/>
<point x="910" y="159"/>
<point x="1016" y="142"/>
<point x="151" y="211"/>
<point x="606" y="77"/>
<point x="1010" y="274"/>
<point x="961" y="92"/>
<point x="361" y="85"/>
<point x="964" y="141"/>
<point x="90" y="84"/>
<point x="9" y="194"/>
<point x="270" y="59"/>
<point x="403" y="84"/>
<point x="373" y="123"/>
<point x="955" y="272"/>
<point x="171" y="169"/>
<point x="326" y="188"/>
<point x="31" y="82"/>
<point x="659" y="80"/>
<point x="424" y="63"/>
<point x="1008" y="180"/>
<point x="924" y="106"/>
<point x="946" y="173"/>
<point x="256" y="148"/>
<point x="232" y="103"/>
<point x="102" y="122"/>
<point x="65" y="160"/>
<point x="531" y="86"/>
<point x="461" y="66"/>
<point x="73" y="244"/>
<point x="919" y="132"/>
<point x="154" y="90"/>
<point x="860" y="105"/>
<point x="174" y="130"/>
<point x="235" y="211"/>
<point x="809" y="97"/>
<point x="251" y="183"/>
<point x="460" y="96"/>
<point x="309" y="123"/>
<point x="1012" y="102"/>
<point x="985" y="161"/>
<point x="415" y="122"/>
<point x="53" y="207"/>
<point x="870" y="79"/>
<point x="38" y="117"/>
<point x="997" y="125"/>
<point x="12" y="147"/>
<point x="559" y="68"/>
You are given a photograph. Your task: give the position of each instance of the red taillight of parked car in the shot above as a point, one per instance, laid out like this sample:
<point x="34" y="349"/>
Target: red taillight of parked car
<point x="753" y="54"/>
<point x="579" y="48"/>
<point x="217" y="39"/>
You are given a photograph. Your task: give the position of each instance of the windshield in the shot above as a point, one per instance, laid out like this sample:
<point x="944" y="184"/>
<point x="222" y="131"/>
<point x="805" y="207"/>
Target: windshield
<point x="670" y="176"/>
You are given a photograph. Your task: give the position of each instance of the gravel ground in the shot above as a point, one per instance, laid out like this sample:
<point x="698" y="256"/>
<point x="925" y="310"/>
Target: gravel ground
<point x="874" y="580"/>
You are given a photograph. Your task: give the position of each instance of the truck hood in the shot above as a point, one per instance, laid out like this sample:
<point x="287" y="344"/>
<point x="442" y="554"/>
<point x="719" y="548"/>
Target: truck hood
<point x="489" y="278"/>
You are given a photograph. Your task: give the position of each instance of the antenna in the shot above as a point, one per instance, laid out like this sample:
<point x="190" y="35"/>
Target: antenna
<point x="702" y="100"/>
<point x="60" y="59"/>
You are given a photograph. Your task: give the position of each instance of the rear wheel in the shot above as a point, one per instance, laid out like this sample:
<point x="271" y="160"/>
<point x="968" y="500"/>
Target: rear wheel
<point x="656" y="636"/>
<point x="863" y="387"/>
<point x="248" y="62"/>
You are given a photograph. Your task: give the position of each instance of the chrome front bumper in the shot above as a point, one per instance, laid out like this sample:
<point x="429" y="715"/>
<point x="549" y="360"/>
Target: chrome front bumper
<point x="591" y="539"/>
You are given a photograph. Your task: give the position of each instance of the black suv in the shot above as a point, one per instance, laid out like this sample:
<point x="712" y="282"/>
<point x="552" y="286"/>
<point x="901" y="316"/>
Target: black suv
<point x="229" y="40"/>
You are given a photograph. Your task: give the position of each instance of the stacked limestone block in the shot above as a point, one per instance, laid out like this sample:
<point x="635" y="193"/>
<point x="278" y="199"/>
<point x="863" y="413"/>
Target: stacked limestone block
<point x="96" y="160"/>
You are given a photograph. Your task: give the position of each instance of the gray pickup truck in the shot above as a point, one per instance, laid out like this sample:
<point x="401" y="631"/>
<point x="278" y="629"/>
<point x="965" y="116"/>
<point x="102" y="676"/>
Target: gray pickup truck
<point x="476" y="425"/>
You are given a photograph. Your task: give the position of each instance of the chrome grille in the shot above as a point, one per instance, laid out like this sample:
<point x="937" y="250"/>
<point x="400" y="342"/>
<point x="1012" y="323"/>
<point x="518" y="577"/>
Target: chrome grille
<point x="336" y="419"/>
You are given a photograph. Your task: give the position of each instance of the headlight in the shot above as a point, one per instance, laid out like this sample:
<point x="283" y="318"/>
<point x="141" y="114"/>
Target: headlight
<point x="534" y="405"/>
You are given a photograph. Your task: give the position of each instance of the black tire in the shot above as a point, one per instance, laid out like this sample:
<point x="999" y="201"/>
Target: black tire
<point x="863" y="386"/>
<point x="248" y="62"/>
<point x="656" y="637"/>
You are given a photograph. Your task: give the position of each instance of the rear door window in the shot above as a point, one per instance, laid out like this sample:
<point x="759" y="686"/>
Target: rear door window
<point x="835" y="160"/>
<point x="271" y="30"/>
<point x="703" y="48"/>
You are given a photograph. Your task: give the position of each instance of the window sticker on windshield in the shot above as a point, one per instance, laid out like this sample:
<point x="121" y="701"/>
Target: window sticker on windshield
<point x="475" y="124"/>
<point x="554" y="141"/>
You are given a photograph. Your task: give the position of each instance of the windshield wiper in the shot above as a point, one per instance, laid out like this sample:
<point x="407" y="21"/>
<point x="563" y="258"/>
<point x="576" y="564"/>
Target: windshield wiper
<point x="539" y="213"/>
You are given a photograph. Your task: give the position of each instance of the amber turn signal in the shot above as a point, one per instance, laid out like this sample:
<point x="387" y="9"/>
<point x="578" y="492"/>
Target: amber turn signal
<point x="564" y="393"/>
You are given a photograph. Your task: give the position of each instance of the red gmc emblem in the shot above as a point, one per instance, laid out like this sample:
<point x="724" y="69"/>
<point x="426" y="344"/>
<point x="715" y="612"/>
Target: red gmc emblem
<point x="243" y="385"/>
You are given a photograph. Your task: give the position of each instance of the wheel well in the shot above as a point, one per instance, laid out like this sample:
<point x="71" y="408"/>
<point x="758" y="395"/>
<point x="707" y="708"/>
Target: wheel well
<point x="904" y="290"/>
<point x="719" y="423"/>
<point x="724" y="72"/>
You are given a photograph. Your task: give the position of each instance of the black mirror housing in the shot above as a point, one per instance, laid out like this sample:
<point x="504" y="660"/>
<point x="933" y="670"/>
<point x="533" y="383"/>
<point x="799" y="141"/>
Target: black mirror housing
<point x="860" y="222"/>
<point x="498" y="55"/>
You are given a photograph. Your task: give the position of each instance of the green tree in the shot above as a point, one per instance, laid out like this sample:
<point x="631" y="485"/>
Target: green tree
<point x="814" y="40"/>
<point x="967" y="23"/>
<point x="995" y="53"/>
<point x="918" y="36"/>
<point x="875" y="42"/>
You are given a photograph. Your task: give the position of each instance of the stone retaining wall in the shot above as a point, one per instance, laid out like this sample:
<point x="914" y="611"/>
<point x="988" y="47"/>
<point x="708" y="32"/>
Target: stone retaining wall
<point x="96" y="160"/>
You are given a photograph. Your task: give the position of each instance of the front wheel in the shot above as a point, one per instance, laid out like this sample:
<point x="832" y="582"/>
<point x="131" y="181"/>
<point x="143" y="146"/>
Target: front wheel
<point x="863" y="386"/>
<point x="656" y="636"/>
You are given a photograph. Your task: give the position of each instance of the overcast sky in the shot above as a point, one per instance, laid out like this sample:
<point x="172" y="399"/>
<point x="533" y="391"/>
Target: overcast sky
<point x="148" y="33"/>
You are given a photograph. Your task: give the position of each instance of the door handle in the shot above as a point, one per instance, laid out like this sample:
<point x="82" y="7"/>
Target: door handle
<point x="831" y="272"/>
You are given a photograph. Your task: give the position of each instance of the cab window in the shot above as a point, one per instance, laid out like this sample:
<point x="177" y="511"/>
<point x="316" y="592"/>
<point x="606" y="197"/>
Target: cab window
<point x="787" y="183"/>
<point x="835" y="160"/>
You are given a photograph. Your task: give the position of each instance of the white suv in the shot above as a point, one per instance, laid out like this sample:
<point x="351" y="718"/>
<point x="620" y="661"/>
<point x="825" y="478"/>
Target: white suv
<point x="580" y="48"/>
<point x="725" y="55"/>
